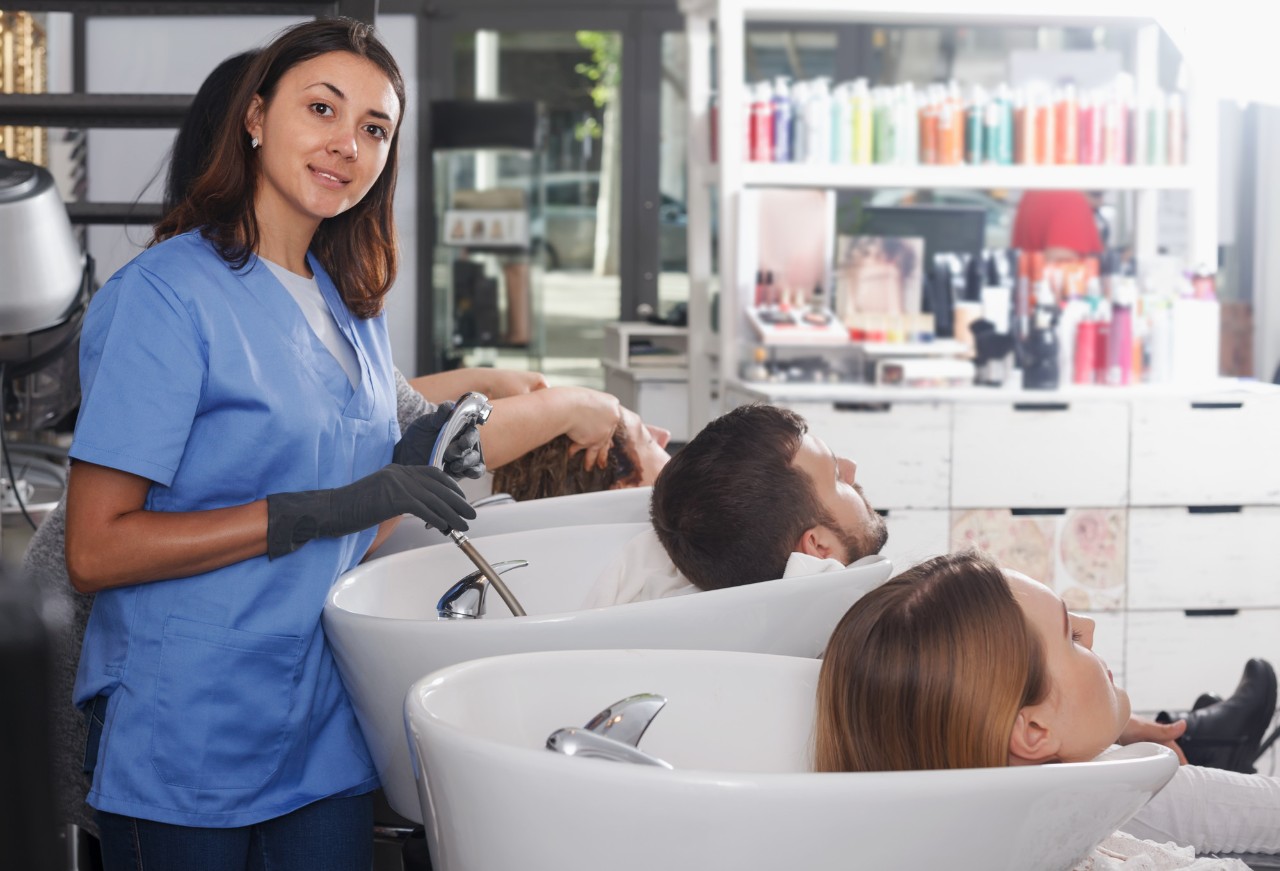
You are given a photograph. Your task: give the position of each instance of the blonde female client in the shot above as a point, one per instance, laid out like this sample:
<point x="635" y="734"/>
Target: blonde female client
<point x="957" y="663"/>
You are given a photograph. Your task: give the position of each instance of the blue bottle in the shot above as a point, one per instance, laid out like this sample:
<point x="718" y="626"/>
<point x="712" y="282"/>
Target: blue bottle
<point x="783" y="119"/>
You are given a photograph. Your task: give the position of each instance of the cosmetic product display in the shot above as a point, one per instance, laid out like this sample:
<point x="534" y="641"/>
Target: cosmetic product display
<point x="792" y="315"/>
<point x="853" y="123"/>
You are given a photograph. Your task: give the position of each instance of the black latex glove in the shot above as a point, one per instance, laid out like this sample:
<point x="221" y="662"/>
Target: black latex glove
<point x="430" y="494"/>
<point x="462" y="458"/>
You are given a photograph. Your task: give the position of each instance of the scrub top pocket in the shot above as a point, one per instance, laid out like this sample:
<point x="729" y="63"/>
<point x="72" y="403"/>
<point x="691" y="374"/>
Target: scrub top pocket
<point x="223" y="742"/>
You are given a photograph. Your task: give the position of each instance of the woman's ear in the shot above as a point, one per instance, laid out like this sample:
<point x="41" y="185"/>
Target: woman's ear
<point x="1033" y="741"/>
<point x="817" y="541"/>
<point x="253" y="117"/>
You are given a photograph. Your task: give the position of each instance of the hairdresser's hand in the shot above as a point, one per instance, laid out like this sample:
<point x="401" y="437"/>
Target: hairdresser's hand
<point x="596" y="415"/>
<point x="462" y="458"/>
<point x="1141" y="729"/>
<point x="430" y="494"/>
<point x="501" y="383"/>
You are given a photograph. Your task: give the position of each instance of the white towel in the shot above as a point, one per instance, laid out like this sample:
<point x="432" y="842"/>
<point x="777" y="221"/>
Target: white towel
<point x="644" y="571"/>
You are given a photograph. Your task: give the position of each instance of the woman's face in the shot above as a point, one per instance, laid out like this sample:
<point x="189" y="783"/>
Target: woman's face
<point x="647" y="445"/>
<point x="1085" y="708"/>
<point x="325" y="137"/>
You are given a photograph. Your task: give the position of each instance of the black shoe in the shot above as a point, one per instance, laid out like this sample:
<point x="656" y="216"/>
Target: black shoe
<point x="1205" y="700"/>
<point x="1227" y="734"/>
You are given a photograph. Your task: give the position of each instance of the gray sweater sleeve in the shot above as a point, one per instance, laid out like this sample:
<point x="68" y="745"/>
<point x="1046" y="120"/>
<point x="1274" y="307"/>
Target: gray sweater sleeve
<point x="410" y="404"/>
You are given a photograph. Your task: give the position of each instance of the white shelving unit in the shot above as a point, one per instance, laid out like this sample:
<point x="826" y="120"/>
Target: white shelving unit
<point x="714" y="360"/>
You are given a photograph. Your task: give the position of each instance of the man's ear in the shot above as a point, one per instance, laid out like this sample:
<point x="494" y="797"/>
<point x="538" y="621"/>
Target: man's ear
<point x="253" y="117"/>
<point x="1033" y="741"/>
<point x="818" y="541"/>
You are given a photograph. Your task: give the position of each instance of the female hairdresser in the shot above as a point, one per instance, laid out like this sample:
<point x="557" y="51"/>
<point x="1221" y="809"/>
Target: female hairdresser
<point x="958" y="664"/>
<point x="235" y="452"/>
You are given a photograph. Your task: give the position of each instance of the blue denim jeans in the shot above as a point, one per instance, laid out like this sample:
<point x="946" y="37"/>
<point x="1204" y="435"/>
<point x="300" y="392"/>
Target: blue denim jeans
<point x="335" y="834"/>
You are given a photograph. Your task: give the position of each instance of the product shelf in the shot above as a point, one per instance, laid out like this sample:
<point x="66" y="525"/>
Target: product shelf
<point x="1084" y="13"/>
<point x="716" y="35"/>
<point x="1135" y="178"/>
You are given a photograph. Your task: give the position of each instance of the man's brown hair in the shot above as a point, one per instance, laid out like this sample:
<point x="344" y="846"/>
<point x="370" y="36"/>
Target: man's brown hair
<point x="731" y="505"/>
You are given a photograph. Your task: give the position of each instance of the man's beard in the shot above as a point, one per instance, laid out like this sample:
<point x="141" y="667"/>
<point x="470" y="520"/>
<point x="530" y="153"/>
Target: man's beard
<point x="862" y="540"/>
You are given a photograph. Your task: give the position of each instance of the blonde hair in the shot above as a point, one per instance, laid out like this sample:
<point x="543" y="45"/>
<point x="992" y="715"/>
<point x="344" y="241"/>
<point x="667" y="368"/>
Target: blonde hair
<point x="928" y="671"/>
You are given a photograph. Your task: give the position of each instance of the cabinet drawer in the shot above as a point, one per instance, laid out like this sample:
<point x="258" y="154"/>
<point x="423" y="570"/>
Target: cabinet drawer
<point x="903" y="450"/>
<point x="915" y="535"/>
<point x="1040" y="455"/>
<point x="1205" y="453"/>
<point x="1079" y="552"/>
<point x="1179" y="559"/>
<point x="1171" y="658"/>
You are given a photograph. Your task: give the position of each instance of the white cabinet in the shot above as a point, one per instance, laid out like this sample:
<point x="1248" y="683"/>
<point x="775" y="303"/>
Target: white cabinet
<point x="1078" y="552"/>
<point x="1040" y="454"/>
<point x="903" y="450"/>
<point x="1205" y="451"/>
<point x="915" y="535"/>
<point x="1173" y="656"/>
<point x="1076" y="493"/>
<point x="1186" y="558"/>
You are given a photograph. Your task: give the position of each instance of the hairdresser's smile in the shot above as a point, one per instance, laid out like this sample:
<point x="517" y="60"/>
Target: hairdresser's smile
<point x="324" y="138"/>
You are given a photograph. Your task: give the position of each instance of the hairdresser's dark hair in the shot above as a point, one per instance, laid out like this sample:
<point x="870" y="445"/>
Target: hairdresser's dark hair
<point x="357" y="247"/>
<point x="189" y="157"/>
<point x="550" y="470"/>
<point x="731" y="505"/>
<point x="928" y="671"/>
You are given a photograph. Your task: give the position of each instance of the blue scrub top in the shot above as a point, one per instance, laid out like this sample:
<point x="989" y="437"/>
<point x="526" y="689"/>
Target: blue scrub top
<point x="225" y="707"/>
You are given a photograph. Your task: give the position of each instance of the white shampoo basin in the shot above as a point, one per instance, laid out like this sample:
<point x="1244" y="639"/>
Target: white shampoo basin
<point x="736" y="729"/>
<point x="381" y="623"/>
<point x="630" y="505"/>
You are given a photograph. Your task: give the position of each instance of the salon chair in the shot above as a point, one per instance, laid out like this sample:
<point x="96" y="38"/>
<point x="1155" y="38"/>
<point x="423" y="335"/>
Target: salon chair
<point x="736" y="732"/>
<point x="500" y="513"/>
<point x="382" y="625"/>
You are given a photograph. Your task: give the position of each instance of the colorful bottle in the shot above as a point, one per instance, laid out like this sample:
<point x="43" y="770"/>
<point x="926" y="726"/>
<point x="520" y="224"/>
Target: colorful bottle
<point x="863" y="122"/>
<point x="975" y="127"/>
<point x="761" y="127"/>
<point x="1066" y="126"/>
<point x="783" y="116"/>
<point x="818" y="121"/>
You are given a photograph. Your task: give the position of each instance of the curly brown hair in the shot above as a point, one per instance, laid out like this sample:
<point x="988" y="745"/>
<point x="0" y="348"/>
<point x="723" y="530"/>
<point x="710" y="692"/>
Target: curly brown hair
<point x="550" y="470"/>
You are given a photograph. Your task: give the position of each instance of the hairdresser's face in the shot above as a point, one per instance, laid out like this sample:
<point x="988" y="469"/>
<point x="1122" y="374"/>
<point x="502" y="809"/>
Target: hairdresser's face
<point x="860" y="531"/>
<point x="647" y="445"/>
<point x="1085" y="709"/>
<point x="325" y="137"/>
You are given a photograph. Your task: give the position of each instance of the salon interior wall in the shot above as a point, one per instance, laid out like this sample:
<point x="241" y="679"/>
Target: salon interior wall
<point x="130" y="165"/>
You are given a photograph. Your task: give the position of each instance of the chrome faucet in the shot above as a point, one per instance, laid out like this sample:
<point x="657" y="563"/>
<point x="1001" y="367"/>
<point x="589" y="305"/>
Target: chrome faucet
<point x="471" y="408"/>
<point x="614" y="733"/>
<point x="465" y="599"/>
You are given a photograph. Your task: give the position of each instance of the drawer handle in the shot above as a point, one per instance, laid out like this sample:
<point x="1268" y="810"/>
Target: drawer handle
<point x="1215" y="509"/>
<point x="865" y="407"/>
<point x="1213" y="406"/>
<point x="1211" y="612"/>
<point x="1041" y="406"/>
<point x="1037" y="512"/>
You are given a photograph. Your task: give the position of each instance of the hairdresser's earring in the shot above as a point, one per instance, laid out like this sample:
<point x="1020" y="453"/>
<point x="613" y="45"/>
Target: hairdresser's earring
<point x="253" y="142"/>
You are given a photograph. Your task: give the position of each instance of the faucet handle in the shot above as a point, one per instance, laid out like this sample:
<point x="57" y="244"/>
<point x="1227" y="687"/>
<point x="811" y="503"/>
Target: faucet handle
<point x="593" y="745"/>
<point x="627" y="720"/>
<point x="465" y="599"/>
